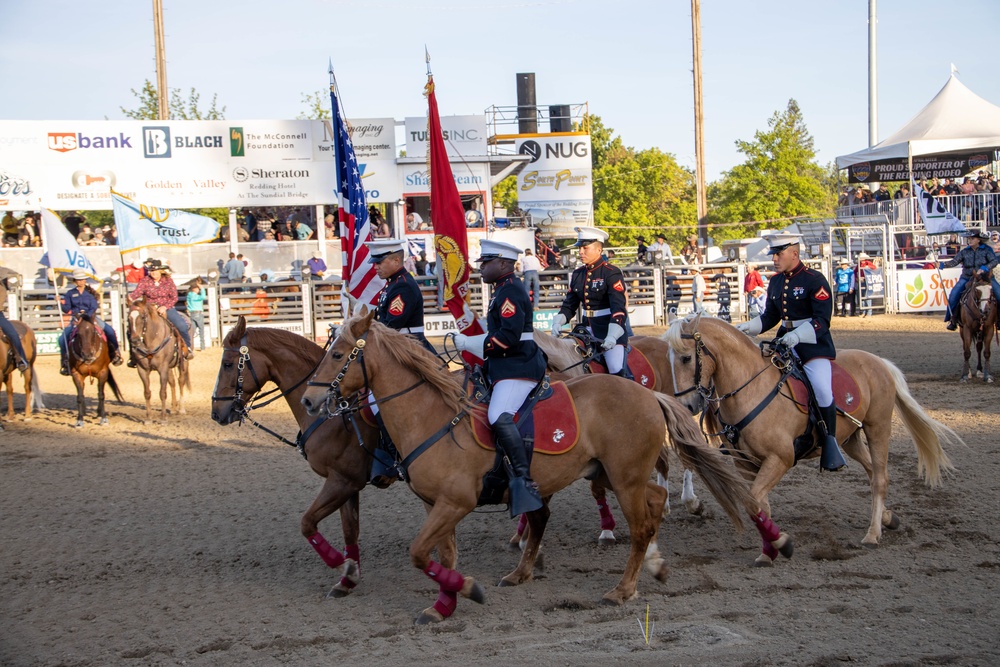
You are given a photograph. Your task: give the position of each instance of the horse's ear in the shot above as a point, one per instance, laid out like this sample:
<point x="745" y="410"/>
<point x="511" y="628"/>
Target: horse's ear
<point x="366" y="319"/>
<point x="363" y="310"/>
<point x="241" y="328"/>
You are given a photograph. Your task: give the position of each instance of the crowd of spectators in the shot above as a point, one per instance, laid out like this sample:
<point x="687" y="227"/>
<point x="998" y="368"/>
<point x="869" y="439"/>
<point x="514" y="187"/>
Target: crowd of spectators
<point x="974" y="198"/>
<point x="21" y="232"/>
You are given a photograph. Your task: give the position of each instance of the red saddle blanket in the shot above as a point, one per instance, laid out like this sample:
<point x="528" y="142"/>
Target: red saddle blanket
<point x="846" y="393"/>
<point x="641" y="369"/>
<point x="557" y="425"/>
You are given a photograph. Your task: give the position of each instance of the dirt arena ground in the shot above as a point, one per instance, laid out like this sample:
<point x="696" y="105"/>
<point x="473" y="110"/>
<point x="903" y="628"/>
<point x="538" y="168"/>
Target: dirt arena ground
<point x="179" y="544"/>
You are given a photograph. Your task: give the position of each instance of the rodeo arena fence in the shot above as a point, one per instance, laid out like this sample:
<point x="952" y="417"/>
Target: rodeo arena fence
<point x="310" y="306"/>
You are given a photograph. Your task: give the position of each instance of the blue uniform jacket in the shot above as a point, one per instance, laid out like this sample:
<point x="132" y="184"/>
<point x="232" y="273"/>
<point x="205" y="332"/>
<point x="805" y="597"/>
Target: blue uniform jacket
<point x="510" y="353"/>
<point x="401" y="306"/>
<point x="796" y="295"/>
<point x="76" y="301"/>
<point x="599" y="289"/>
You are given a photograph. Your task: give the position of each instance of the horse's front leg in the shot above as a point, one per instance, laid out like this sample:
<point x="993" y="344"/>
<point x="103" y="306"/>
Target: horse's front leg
<point x="987" y="375"/>
<point x="440" y="524"/>
<point x="966" y="353"/>
<point x="773" y="540"/>
<point x="336" y="493"/>
<point x="10" y="397"/>
<point x="102" y="417"/>
<point x="147" y="392"/>
<point x="28" y="375"/>
<point x="81" y="405"/>
<point x="165" y="378"/>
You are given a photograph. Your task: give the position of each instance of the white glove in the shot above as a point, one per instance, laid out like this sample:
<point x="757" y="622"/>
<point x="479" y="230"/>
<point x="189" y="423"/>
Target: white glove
<point x="751" y="328"/>
<point x="557" y="323"/>
<point x="471" y="344"/>
<point x="614" y="333"/>
<point x="789" y="340"/>
<point x="482" y="324"/>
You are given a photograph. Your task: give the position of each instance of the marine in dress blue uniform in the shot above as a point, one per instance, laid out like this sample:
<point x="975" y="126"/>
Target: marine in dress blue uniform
<point x="514" y="363"/>
<point x="400" y="303"/>
<point x="800" y="299"/>
<point x="975" y="257"/>
<point x="598" y="289"/>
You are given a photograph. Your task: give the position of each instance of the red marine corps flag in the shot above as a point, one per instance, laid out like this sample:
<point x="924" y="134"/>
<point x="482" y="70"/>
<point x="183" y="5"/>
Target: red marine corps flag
<point x="448" y="217"/>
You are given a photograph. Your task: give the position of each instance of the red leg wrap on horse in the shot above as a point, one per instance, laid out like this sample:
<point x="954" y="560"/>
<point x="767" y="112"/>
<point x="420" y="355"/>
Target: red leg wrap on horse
<point x="766" y="527"/>
<point x="607" y="518"/>
<point x="354" y="553"/>
<point x="330" y="556"/>
<point x="768" y="549"/>
<point x="446" y="603"/>
<point x="522" y="523"/>
<point x="448" y="580"/>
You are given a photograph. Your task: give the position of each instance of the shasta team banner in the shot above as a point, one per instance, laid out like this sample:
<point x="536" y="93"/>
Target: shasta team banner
<point x="141" y="226"/>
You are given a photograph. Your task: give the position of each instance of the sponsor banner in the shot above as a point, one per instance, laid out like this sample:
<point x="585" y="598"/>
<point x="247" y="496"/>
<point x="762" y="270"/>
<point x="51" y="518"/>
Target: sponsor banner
<point x="75" y="164"/>
<point x="469" y="177"/>
<point x="47" y="342"/>
<point x="925" y="290"/>
<point x="874" y="284"/>
<point x="951" y="166"/>
<point x="560" y="169"/>
<point x="463" y="136"/>
<point x="558" y="218"/>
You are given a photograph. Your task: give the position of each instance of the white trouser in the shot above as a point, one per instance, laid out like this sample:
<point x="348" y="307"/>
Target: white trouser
<point x="508" y="396"/>
<point x="614" y="358"/>
<point x="820" y="374"/>
<point x="372" y="403"/>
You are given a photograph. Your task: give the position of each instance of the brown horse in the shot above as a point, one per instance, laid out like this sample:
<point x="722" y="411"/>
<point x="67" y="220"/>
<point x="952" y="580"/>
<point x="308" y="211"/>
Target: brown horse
<point x="978" y="319"/>
<point x="564" y="358"/>
<point x="156" y="345"/>
<point x="88" y="357"/>
<point x="251" y="358"/>
<point x="719" y="370"/>
<point x="425" y="411"/>
<point x="32" y="392"/>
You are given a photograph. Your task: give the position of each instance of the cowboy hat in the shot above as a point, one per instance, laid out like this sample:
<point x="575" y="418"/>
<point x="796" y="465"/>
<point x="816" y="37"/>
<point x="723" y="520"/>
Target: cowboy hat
<point x="864" y="255"/>
<point x="157" y="265"/>
<point x="80" y="274"/>
<point x="976" y="234"/>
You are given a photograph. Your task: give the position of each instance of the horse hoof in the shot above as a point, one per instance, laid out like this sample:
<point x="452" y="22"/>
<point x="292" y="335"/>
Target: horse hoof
<point x="869" y="545"/>
<point x="428" y="616"/>
<point x="989" y="380"/>
<point x="473" y="591"/>
<point x="607" y="538"/>
<point x="893" y="523"/>
<point x="514" y="544"/>
<point x="338" y="591"/>
<point x="540" y="561"/>
<point x="763" y="560"/>
<point x="964" y="380"/>
<point x="104" y="421"/>
<point x="696" y="508"/>
<point x="784" y="545"/>
<point x="506" y="583"/>
<point x="612" y="601"/>
<point x="79" y="424"/>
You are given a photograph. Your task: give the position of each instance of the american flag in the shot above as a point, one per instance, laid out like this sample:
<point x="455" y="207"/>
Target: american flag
<point x="360" y="278"/>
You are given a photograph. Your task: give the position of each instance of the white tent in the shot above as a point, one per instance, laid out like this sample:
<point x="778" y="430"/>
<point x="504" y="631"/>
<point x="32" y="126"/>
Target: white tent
<point x="955" y="120"/>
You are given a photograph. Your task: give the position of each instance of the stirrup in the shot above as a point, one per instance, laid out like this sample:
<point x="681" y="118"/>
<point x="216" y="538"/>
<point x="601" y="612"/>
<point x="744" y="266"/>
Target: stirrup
<point x="131" y="362"/>
<point x="64" y="369"/>
<point x="524" y="496"/>
<point x="952" y="326"/>
<point x="830" y="458"/>
<point x="117" y="360"/>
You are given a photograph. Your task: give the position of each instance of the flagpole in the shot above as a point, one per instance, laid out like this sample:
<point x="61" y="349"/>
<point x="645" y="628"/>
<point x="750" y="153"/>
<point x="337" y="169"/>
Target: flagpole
<point x="55" y="276"/>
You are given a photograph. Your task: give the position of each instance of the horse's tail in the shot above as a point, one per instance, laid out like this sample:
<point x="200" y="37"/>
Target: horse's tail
<point x="723" y="480"/>
<point x="927" y="433"/>
<point x="114" y="386"/>
<point x="37" y="395"/>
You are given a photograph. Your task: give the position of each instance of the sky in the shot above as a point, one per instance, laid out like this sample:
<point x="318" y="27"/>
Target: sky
<point x="630" y="60"/>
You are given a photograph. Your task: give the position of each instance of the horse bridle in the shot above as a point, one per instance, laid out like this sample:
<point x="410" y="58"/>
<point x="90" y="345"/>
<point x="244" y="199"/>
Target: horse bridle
<point x="137" y="347"/>
<point x="75" y="346"/>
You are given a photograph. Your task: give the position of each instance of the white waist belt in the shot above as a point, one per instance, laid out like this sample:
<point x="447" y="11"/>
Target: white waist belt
<point x="598" y="313"/>
<point x="528" y="335"/>
<point x="411" y="330"/>
<point x="791" y="324"/>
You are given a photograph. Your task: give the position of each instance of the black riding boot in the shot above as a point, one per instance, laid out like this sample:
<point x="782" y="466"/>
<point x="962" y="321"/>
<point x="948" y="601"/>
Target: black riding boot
<point x="384" y="471"/>
<point x="64" y="363"/>
<point x="523" y="491"/>
<point x="953" y="324"/>
<point x="830" y="457"/>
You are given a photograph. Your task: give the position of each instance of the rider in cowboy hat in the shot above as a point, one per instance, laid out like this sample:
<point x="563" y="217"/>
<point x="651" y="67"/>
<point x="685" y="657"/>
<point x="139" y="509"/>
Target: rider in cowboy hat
<point x="514" y="363"/>
<point x="159" y="289"/>
<point x="82" y="299"/>
<point x="800" y="299"/>
<point x="975" y="257"/>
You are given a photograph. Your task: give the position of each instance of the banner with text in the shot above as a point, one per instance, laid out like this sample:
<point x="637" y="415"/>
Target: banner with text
<point x="556" y="188"/>
<point x="925" y="166"/>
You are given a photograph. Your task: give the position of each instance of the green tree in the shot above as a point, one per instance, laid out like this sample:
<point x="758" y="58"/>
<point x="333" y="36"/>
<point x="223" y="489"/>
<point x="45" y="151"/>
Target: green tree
<point x="639" y="192"/>
<point x="180" y="108"/>
<point x="317" y="106"/>
<point x="505" y="193"/>
<point x="779" y="179"/>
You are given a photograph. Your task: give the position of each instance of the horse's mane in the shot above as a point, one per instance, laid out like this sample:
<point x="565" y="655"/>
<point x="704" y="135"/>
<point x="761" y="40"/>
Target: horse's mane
<point x="561" y="352"/>
<point x="410" y="354"/>
<point x="673" y="334"/>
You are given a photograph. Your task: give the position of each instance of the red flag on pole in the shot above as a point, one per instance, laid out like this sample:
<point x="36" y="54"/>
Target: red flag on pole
<point x="451" y="241"/>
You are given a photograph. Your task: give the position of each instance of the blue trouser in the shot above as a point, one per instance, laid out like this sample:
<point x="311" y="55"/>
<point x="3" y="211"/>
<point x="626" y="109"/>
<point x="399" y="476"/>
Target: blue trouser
<point x="108" y="332"/>
<point x="11" y="332"/>
<point x="198" y="322"/>
<point x="178" y="321"/>
<point x="532" y="283"/>
<point x="956" y="294"/>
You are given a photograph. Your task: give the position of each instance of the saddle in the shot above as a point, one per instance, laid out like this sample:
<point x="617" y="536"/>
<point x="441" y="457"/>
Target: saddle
<point x="637" y="364"/>
<point x="846" y="393"/>
<point x="590" y="347"/>
<point x="978" y="293"/>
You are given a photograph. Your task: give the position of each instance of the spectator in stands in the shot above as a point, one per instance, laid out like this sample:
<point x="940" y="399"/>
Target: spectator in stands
<point x="883" y="193"/>
<point x="233" y="271"/>
<point x="250" y="224"/>
<point x="641" y="250"/>
<point x="691" y="253"/>
<point x="73" y="221"/>
<point x="268" y="243"/>
<point x="752" y="281"/>
<point x="951" y="188"/>
<point x="303" y="232"/>
<point x="756" y="301"/>
<point x="903" y="192"/>
<point x="549" y="253"/>
<point x="85" y="237"/>
<point x="659" y="251"/>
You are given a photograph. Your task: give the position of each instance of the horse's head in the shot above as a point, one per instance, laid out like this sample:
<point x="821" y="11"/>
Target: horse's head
<point x="237" y="381"/>
<point x="87" y="343"/>
<point x="692" y="368"/>
<point x="337" y="376"/>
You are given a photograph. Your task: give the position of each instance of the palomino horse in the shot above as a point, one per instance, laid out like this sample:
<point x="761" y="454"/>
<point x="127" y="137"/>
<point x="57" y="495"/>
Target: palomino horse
<point x="88" y="357"/>
<point x="157" y="345"/>
<point x="564" y="357"/>
<point x="720" y="371"/>
<point x="978" y="319"/>
<point x="251" y="358"/>
<point x="425" y="410"/>
<point x="8" y="364"/>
